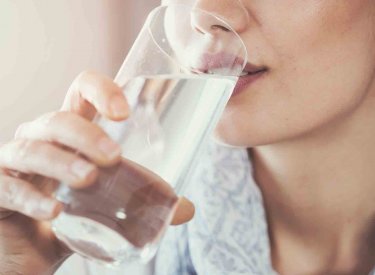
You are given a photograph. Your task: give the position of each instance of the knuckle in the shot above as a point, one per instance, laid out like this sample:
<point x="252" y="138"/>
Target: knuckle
<point x="84" y="74"/>
<point x="50" y="118"/>
<point x="9" y="192"/>
<point x="89" y="131"/>
<point x="26" y="152"/>
<point x="83" y="78"/>
<point x="20" y="129"/>
<point x="53" y="122"/>
<point x="99" y="135"/>
<point x="25" y="147"/>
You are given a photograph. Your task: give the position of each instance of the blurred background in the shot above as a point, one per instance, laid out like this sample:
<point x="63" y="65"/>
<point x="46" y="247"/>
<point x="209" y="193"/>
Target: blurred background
<point x="45" y="44"/>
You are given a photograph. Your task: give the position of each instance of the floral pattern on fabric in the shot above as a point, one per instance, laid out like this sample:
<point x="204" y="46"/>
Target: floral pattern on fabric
<point x="228" y="234"/>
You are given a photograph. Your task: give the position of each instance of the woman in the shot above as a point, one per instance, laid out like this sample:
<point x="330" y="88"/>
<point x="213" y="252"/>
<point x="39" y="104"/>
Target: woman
<point x="308" y="117"/>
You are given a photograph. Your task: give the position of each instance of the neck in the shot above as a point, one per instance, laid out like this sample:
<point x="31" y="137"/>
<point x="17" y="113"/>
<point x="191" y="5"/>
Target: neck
<point x="319" y="195"/>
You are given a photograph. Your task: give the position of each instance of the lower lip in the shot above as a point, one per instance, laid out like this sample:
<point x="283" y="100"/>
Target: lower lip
<point x="245" y="81"/>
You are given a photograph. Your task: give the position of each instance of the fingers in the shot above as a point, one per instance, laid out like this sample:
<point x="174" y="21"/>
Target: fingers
<point x="91" y="91"/>
<point x="38" y="157"/>
<point x="21" y="196"/>
<point x="75" y="132"/>
<point x="184" y="212"/>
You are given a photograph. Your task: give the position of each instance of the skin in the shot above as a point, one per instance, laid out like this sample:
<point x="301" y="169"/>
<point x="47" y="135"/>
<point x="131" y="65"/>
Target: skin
<point x="309" y="121"/>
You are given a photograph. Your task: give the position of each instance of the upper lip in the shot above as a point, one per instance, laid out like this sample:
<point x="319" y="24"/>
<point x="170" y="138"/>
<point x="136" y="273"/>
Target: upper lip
<point x="253" y="69"/>
<point x="210" y="62"/>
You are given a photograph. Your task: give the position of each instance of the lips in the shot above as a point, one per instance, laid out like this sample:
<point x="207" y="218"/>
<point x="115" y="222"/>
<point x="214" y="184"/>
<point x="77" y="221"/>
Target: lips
<point x="226" y="65"/>
<point x="220" y="63"/>
<point x="250" y="75"/>
<point x="252" y="69"/>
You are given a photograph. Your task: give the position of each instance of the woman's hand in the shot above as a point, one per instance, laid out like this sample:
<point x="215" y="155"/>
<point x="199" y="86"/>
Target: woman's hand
<point x="44" y="147"/>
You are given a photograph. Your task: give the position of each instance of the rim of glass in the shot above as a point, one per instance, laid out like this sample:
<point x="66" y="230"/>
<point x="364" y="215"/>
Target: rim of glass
<point x="156" y="10"/>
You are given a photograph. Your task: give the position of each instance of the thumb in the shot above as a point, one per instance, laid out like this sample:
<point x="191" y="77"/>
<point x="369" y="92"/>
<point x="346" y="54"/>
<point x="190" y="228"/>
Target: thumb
<point x="184" y="212"/>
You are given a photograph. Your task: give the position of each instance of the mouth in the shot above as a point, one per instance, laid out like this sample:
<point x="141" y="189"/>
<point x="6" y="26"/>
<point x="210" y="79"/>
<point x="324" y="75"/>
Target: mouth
<point x="217" y="64"/>
<point x="251" y="69"/>
<point x="249" y="76"/>
<point x="226" y="64"/>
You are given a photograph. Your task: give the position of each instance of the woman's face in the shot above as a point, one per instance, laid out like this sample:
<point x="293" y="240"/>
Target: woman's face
<point x="319" y="57"/>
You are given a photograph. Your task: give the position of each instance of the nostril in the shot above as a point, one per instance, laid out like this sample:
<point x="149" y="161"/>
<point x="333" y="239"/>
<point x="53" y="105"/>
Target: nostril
<point x="213" y="29"/>
<point x="220" y="27"/>
<point x="208" y="23"/>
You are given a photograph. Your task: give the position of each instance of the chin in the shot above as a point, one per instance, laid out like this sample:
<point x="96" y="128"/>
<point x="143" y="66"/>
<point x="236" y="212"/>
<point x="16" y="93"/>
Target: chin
<point x="237" y="135"/>
<point x="233" y="139"/>
<point x="223" y="141"/>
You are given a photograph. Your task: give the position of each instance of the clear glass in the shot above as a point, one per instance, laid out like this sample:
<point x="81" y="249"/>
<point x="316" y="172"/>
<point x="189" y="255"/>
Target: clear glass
<point x="177" y="78"/>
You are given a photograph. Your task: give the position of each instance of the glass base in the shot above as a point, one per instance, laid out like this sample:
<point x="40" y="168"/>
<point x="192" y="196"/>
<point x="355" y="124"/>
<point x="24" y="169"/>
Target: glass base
<point x="98" y="242"/>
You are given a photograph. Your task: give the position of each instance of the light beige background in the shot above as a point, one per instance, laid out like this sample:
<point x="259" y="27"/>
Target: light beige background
<point x="44" y="44"/>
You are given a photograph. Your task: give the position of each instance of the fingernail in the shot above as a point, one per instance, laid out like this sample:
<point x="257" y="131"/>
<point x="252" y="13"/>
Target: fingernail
<point x="47" y="206"/>
<point x="109" y="148"/>
<point x="81" y="169"/>
<point x="118" y="107"/>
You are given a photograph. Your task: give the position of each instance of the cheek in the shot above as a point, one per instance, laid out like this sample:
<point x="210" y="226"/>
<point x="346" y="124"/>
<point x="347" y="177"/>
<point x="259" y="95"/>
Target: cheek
<point x="321" y="76"/>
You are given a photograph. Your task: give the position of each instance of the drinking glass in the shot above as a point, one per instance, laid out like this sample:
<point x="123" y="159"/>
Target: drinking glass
<point x="177" y="78"/>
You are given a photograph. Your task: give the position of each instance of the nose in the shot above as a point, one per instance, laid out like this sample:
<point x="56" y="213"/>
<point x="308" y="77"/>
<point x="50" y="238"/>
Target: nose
<point x="231" y="11"/>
